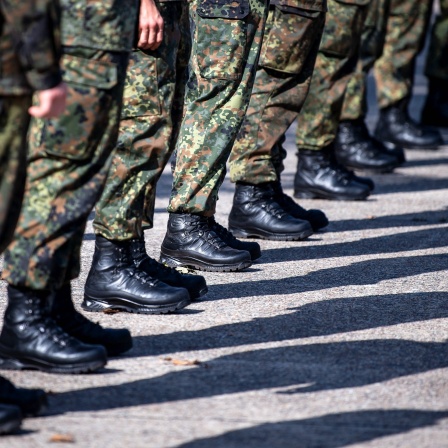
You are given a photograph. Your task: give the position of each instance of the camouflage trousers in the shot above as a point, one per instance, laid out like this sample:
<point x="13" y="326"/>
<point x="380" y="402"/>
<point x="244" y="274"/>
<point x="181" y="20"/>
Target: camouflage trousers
<point x="336" y="61"/>
<point x="226" y="46"/>
<point x="437" y="59"/>
<point x="14" y="120"/>
<point x="68" y="161"/>
<point x="150" y="120"/>
<point x="288" y="54"/>
<point x="393" y="36"/>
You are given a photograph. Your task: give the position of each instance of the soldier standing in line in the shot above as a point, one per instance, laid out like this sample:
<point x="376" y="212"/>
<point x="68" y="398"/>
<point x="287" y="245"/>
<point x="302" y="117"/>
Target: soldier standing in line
<point x="150" y="120"/>
<point x="29" y="61"/>
<point x="435" y="110"/>
<point x="227" y="39"/>
<point x="393" y="37"/>
<point x="288" y="53"/>
<point x="69" y="158"/>
<point x="319" y="174"/>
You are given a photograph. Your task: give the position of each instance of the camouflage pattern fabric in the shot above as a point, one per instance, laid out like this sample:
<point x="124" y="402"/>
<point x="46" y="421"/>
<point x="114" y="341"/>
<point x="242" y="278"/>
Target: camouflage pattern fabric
<point x="14" y="121"/>
<point x="151" y="116"/>
<point x="336" y="60"/>
<point x="288" y="53"/>
<point x="30" y="46"/>
<point x="69" y="159"/>
<point x="226" y="46"/>
<point x="437" y="59"/>
<point x="392" y="50"/>
<point x="372" y="42"/>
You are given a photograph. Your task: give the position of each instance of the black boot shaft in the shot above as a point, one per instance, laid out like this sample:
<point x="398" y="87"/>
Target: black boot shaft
<point x="30" y="338"/>
<point x="320" y="176"/>
<point x="396" y="128"/>
<point x="255" y="213"/>
<point x="195" y="284"/>
<point x="114" y="282"/>
<point x="191" y="242"/>
<point x="355" y="148"/>
<point x="115" y="341"/>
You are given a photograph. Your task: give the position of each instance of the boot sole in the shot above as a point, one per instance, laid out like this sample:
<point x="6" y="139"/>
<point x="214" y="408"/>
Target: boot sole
<point x="119" y="304"/>
<point x="382" y="170"/>
<point x="9" y="363"/>
<point x="391" y="145"/>
<point x="258" y="233"/>
<point x="201" y="266"/>
<point x="302" y="194"/>
<point x="11" y="426"/>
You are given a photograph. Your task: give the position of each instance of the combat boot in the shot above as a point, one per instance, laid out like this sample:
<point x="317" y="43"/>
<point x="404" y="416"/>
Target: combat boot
<point x="357" y="150"/>
<point x="320" y="176"/>
<point x="256" y="214"/>
<point x="30" y="401"/>
<point x="115" y="341"/>
<point x="194" y="284"/>
<point x="10" y="419"/>
<point x="396" y="128"/>
<point x="190" y="241"/>
<point x="316" y="218"/>
<point x="114" y="282"/>
<point x="435" y="110"/>
<point x="31" y="339"/>
<point x="251" y="246"/>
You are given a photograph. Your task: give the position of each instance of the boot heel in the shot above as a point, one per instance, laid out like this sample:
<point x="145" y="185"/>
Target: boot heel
<point x="10" y="364"/>
<point x="171" y="262"/>
<point x="301" y="194"/>
<point x="93" y="305"/>
<point x="239" y="233"/>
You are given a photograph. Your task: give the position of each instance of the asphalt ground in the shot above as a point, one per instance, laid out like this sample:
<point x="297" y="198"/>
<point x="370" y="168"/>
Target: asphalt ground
<point x="337" y="341"/>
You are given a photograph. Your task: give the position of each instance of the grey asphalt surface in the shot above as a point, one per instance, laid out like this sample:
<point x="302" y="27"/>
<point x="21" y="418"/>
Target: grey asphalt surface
<point x="337" y="341"/>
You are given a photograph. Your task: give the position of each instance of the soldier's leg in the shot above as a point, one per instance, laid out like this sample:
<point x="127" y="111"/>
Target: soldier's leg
<point x="14" y="120"/>
<point x="318" y="174"/>
<point x="68" y="162"/>
<point x="148" y="121"/>
<point x="354" y="146"/>
<point x="225" y="52"/>
<point x="289" y="49"/>
<point x="435" y="111"/>
<point x="394" y="76"/>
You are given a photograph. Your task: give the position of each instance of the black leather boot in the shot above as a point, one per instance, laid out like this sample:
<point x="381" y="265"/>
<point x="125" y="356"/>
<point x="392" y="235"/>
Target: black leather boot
<point x="194" y="284"/>
<point x="252" y="247"/>
<point x="316" y="218"/>
<point x="190" y="241"/>
<point x="435" y="110"/>
<point x="114" y="282"/>
<point x="10" y="419"/>
<point x="320" y="176"/>
<point x="256" y="214"/>
<point x="115" y="341"/>
<point x="30" y="401"/>
<point x="31" y="339"/>
<point x="396" y="128"/>
<point x="357" y="150"/>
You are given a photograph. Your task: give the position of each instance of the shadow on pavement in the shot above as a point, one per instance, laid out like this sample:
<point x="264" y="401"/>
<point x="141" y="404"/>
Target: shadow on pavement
<point x="299" y="368"/>
<point x="399" y="242"/>
<point x="326" y="317"/>
<point x="429" y="217"/>
<point x="327" y="431"/>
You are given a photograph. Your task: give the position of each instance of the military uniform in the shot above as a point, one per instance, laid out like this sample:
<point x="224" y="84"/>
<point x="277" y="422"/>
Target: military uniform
<point x="28" y="61"/>
<point x="291" y="41"/>
<point x="150" y="120"/>
<point x="70" y="156"/>
<point x="392" y="38"/>
<point x="437" y="59"/>
<point x="336" y="60"/>
<point x="226" y="45"/>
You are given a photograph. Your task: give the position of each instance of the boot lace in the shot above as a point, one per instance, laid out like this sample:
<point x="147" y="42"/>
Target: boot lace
<point x="202" y="228"/>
